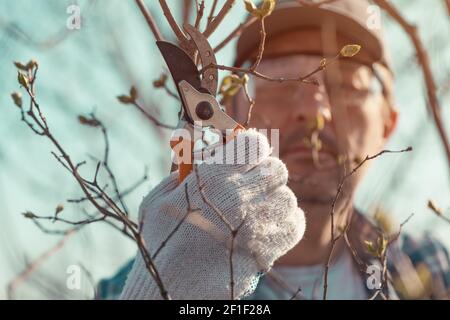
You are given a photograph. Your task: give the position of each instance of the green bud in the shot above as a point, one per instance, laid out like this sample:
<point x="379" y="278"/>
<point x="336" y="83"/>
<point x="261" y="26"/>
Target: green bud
<point x="22" y="79"/>
<point x="59" y="208"/>
<point x="88" y="122"/>
<point x="20" y="66"/>
<point x="17" y="98"/>
<point x="125" y="99"/>
<point x="29" y="215"/>
<point x="350" y="50"/>
<point x="133" y="93"/>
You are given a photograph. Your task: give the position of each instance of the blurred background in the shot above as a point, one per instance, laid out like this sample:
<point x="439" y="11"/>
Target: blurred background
<point x="84" y="70"/>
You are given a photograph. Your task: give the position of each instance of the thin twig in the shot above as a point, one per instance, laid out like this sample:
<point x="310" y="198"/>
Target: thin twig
<point x="384" y="258"/>
<point x="296" y="293"/>
<point x="334" y="240"/>
<point x="175" y="229"/>
<point x="262" y="43"/>
<point x="90" y="278"/>
<point x="124" y="193"/>
<point x="302" y="79"/>
<point x="150" y="21"/>
<point x="152" y="118"/>
<point x="209" y="203"/>
<point x="200" y="13"/>
<point x="92" y="189"/>
<point x="333" y="206"/>
<point x="211" y="13"/>
<point x="73" y="223"/>
<point x="251" y="102"/>
<point x="233" y="231"/>
<point x="218" y="19"/>
<point x="171" y="93"/>
<point x="279" y="281"/>
<point x="187" y="4"/>
<point x="105" y="162"/>
<point x="173" y="24"/>
<point x="234" y="234"/>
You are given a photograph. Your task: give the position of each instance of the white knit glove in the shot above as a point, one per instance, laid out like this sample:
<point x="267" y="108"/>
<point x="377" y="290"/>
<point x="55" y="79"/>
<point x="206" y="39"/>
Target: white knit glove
<point x="195" y="261"/>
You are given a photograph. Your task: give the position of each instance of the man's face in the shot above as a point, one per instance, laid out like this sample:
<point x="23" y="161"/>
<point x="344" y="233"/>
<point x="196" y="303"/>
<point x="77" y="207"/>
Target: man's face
<point x="354" y="114"/>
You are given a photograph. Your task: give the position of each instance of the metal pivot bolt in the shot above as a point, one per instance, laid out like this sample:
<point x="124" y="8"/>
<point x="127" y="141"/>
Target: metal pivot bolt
<point x="204" y="110"/>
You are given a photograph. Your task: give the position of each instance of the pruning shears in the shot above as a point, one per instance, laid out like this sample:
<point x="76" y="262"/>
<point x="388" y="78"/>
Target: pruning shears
<point x="197" y="91"/>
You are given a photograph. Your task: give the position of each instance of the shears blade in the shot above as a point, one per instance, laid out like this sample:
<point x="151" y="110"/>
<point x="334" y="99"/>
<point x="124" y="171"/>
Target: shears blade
<point x="180" y="65"/>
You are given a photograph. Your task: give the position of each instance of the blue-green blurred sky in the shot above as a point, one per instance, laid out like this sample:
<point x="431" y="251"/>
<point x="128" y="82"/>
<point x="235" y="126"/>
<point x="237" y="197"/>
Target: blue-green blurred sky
<point x="87" y="68"/>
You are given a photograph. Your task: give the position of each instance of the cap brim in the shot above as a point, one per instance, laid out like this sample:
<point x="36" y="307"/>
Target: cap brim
<point x="288" y="17"/>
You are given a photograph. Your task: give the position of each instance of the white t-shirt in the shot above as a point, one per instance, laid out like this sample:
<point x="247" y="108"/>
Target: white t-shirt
<point x="345" y="282"/>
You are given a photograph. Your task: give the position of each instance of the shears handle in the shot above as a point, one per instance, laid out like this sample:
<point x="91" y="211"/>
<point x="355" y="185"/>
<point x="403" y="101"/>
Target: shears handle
<point x="181" y="145"/>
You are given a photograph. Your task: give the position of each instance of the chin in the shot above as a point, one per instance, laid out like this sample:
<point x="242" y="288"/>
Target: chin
<point x="313" y="185"/>
<point x="318" y="194"/>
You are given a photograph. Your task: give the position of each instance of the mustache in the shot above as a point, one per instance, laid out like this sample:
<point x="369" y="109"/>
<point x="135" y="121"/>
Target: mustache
<point x="296" y="139"/>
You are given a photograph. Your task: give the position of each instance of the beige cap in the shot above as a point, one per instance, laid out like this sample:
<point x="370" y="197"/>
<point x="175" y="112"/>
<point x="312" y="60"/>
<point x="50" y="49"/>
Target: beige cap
<point x="349" y="18"/>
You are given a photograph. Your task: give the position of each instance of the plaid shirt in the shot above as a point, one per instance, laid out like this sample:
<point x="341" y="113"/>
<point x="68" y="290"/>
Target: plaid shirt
<point x="416" y="268"/>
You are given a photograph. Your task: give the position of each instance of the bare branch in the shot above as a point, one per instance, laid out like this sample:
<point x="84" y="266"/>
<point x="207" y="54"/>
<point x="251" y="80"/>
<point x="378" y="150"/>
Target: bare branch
<point x="251" y="102"/>
<point x="173" y="24"/>
<point x="124" y="193"/>
<point x="262" y="42"/>
<point x="302" y="79"/>
<point x="187" y="5"/>
<point x="332" y="212"/>
<point x="233" y="231"/>
<point x="152" y="118"/>
<point x="91" y="189"/>
<point x="150" y="21"/>
<point x="55" y="218"/>
<point x="175" y="229"/>
<point x="200" y="13"/>
<point x="161" y="82"/>
<point x="211" y="13"/>
<point x="395" y="237"/>
<point x="105" y="163"/>
<point x="384" y="258"/>
<point x="90" y="278"/>
<point x="209" y="203"/>
<point x="218" y="19"/>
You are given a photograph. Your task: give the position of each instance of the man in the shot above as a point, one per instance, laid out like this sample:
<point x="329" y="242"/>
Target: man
<point x="325" y="131"/>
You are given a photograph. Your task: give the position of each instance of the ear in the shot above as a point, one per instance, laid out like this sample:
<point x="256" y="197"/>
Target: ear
<point x="391" y="122"/>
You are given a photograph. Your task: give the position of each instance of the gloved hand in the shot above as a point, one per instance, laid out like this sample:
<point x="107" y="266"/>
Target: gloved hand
<point x="195" y="261"/>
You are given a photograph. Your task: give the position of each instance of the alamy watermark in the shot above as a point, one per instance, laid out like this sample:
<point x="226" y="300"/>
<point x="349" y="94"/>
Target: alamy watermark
<point x="374" y="280"/>
<point x="73" y="280"/>
<point x="373" y="21"/>
<point x="240" y="149"/>
<point x="73" y="22"/>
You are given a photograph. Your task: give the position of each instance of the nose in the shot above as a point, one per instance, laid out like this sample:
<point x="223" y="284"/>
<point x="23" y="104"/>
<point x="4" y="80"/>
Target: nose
<point x="313" y="102"/>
